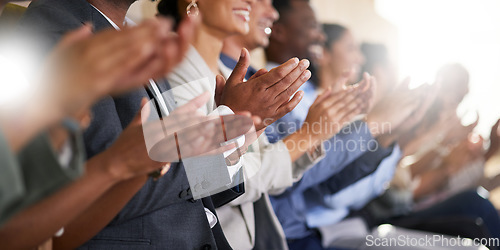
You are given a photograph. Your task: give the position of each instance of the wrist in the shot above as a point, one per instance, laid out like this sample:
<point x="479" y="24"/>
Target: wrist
<point x="112" y="166"/>
<point x="373" y="126"/>
<point x="303" y="139"/>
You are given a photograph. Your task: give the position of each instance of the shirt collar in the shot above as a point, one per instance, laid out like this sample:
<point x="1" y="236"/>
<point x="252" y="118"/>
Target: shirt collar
<point x="126" y="22"/>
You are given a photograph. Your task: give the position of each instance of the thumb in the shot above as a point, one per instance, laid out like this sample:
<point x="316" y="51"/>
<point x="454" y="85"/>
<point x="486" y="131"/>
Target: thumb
<point x="143" y="114"/>
<point x="364" y="84"/>
<point x="241" y="68"/>
<point x="220" y="82"/>
<point x="258" y="73"/>
<point x="405" y="84"/>
<point x="323" y="96"/>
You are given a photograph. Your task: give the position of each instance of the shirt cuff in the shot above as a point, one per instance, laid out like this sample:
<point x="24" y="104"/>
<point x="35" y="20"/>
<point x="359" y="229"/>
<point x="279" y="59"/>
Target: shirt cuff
<point x="307" y="161"/>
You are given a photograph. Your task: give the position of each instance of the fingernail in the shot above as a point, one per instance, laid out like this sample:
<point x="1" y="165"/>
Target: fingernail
<point x="304" y="64"/>
<point x="295" y="61"/>
<point x="306" y="75"/>
<point x="242" y="53"/>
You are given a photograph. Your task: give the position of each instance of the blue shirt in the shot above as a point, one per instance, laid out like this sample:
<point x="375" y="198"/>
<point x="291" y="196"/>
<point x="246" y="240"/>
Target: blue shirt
<point x="231" y="63"/>
<point x="341" y="150"/>
<point x="336" y="206"/>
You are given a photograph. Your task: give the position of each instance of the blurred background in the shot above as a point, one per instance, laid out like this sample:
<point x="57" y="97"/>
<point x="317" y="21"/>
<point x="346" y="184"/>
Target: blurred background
<point x="421" y="36"/>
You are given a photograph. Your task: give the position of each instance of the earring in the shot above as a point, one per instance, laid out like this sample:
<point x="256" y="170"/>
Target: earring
<point x="192" y="9"/>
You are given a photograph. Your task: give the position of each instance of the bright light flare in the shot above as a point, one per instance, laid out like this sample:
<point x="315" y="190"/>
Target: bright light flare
<point x="433" y="33"/>
<point x="13" y="83"/>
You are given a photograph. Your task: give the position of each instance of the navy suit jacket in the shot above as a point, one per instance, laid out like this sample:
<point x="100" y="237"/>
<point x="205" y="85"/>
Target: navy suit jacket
<point x="162" y="215"/>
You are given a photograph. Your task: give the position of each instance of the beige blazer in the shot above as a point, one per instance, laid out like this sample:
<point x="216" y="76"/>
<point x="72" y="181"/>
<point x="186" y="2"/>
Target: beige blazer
<point x="275" y="171"/>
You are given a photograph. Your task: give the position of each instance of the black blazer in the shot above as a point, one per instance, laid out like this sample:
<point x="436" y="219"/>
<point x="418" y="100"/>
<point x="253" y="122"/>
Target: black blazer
<point x="162" y="215"/>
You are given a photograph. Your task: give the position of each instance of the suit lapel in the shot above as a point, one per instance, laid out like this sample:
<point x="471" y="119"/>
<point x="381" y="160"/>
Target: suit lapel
<point x="98" y="20"/>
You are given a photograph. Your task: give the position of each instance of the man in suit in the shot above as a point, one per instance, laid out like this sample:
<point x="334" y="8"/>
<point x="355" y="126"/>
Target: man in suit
<point x="161" y="214"/>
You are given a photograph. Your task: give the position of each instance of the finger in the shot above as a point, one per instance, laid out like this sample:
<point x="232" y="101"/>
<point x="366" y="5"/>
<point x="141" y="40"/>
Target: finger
<point x="216" y="151"/>
<point x="298" y="74"/>
<point x="341" y="98"/>
<point x="348" y="116"/>
<point x="175" y="123"/>
<point x="278" y="73"/>
<point x="258" y="73"/>
<point x="130" y="65"/>
<point x="113" y="43"/>
<point x="405" y="84"/>
<point x="220" y="82"/>
<point x="152" y="68"/>
<point x="133" y="47"/>
<point x="327" y="93"/>
<point x="494" y="128"/>
<point x="287" y="107"/>
<point x="236" y="125"/>
<point x="240" y="70"/>
<point x="291" y="89"/>
<point x="194" y="104"/>
<point x="186" y="33"/>
<point x="365" y="83"/>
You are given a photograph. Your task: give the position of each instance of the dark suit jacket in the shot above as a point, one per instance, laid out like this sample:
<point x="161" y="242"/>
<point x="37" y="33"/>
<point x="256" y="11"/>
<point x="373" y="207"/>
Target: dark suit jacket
<point x="162" y="215"/>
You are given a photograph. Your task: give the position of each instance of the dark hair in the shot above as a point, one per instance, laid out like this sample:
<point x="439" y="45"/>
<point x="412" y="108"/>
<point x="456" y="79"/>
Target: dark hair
<point x="333" y="33"/>
<point x="170" y="9"/>
<point x="283" y="6"/>
<point x="375" y="54"/>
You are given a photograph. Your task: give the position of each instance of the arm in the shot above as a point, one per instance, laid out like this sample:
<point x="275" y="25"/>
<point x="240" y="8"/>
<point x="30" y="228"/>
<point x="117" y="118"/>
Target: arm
<point x="342" y="149"/>
<point x="98" y="215"/>
<point x="430" y="182"/>
<point x="43" y="219"/>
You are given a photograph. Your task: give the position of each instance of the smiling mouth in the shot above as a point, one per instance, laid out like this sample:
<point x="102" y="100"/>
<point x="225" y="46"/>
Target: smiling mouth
<point x="244" y="14"/>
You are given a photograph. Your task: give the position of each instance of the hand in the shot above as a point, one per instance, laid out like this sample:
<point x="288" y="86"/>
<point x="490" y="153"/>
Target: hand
<point x="331" y="111"/>
<point x="85" y="67"/>
<point x="190" y="133"/>
<point x="494" y="140"/>
<point x="128" y="157"/>
<point x="465" y="152"/>
<point x="394" y="108"/>
<point x="417" y="116"/>
<point x="265" y="94"/>
<point x="455" y="131"/>
<point x="368" y="88"/>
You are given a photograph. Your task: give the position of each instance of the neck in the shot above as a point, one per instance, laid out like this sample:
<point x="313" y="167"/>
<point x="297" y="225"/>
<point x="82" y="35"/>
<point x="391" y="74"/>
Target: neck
<point x="232" y="47"/>
<point x="209" y="46"/>
<point x="113" y="9"/>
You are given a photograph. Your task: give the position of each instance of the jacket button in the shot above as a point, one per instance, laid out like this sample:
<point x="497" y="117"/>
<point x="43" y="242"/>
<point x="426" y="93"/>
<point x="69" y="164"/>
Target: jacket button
<point x="183" y="194"/>
<point x="206" y="247"/>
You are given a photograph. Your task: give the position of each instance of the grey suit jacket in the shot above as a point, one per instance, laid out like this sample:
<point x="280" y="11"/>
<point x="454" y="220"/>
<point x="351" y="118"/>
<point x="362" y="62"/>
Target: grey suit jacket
<point x="162" y="215"/>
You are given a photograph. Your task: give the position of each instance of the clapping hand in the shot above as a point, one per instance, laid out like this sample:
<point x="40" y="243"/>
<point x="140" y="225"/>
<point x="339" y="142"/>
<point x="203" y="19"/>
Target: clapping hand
<point x="267" y="95"/>
<point x="145" y="146"/>
<point x="84" y="67"/>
